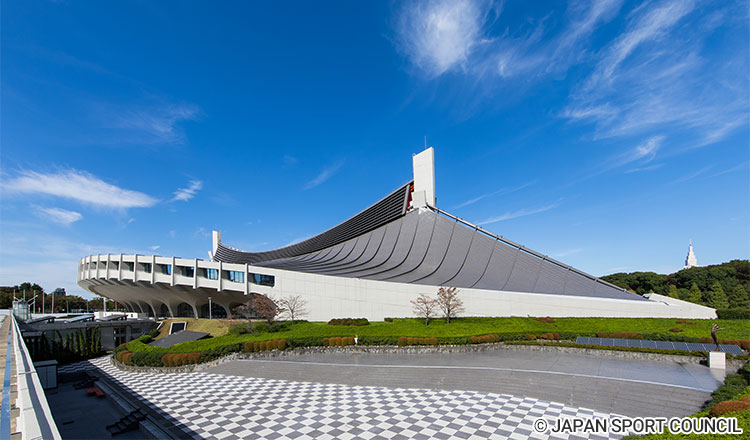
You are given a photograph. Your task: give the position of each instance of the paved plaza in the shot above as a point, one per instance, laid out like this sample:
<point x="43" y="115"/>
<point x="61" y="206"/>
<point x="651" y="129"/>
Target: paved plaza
<point x="349" y="395"/>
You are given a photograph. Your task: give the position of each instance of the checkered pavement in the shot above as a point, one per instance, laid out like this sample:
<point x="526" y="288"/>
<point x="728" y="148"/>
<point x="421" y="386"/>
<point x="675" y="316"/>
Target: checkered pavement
<point x="207" y="405"/>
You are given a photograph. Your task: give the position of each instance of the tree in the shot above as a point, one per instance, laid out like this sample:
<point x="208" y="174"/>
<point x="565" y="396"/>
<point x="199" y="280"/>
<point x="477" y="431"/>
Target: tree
<point x="695" y="294"/>
<point x="449" y="302"/>
<point x="738" y="297"/>
<point x="716" y="297"/>
<point x="293" y="306"/>
<point x="264" y="307"/>
<point x="424" y="307"/>
<point x="672" y="291"/>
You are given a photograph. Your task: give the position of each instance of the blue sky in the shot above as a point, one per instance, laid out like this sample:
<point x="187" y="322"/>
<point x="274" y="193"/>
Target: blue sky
<point x="604" y="134"/>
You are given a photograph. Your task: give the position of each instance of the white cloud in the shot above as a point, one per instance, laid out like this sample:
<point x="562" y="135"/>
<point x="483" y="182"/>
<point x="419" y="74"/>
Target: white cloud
<point x="650" y="25"/>
<point x="324" y="175"/>
<point x="440" y="34"/>
<point x="153" y="248"/>
<point x="185" y="194"/>
<point x="520" y="213"/>
<point x="58" y="215"/>
<point x="156" y="123"/>
<point x="693" y="175"/>
<point x="76" y="185"/>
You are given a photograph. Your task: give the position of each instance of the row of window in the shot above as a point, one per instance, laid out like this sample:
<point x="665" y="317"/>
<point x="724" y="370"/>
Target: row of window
<point x="211" y="274"/>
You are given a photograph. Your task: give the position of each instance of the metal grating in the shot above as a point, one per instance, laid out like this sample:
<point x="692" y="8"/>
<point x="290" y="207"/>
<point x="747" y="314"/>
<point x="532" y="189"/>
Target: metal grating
<point x="662" y="345"/>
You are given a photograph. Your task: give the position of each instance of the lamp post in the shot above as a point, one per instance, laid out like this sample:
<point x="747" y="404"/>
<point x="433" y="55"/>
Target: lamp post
<point x="209" y="307"/>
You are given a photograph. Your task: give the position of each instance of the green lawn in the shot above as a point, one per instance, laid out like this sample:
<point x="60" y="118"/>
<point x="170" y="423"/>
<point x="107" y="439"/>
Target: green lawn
<point x="464" y="327"/>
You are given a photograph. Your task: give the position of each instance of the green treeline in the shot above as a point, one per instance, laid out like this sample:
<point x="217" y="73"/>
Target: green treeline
<point x="83" y="343"/>
<point x="720" y="286"/>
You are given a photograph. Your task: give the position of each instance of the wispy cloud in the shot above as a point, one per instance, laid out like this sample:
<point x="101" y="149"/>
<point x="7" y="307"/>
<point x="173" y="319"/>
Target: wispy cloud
<point x="652" y="24"/>
<point x="656" y="76"/>
<point x="520" y="213"/>
<point x="439" y="35"/>
<point x="289" y="160"/>
<point x="58" y="215"/>
<point x="494" y="193"/>
<point x="324" y="175"/>
<point x="185" y="194"/>
<point x="693" y="175"/>
<point x="154" y="248"/>
<point x="737" y="167"/>
<point x="646" y="168"/>
<point x="76" y="185"/>
<point x="157" y="123"/>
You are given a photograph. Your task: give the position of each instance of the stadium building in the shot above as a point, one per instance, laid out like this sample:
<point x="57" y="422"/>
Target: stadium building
<point x="371" y="266"/>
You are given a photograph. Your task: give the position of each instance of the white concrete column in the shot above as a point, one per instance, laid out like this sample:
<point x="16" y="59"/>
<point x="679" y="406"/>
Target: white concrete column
<point x="135" y="267"/>
<point x="171" y="283"/>
<point x="153" y="269"/>
<point x="88" y="267"/>
<point x="119" y="269"/>
<point x="98" y="261"/>
<point x="221" y="277"/>
<point x="247" y="279"/>
<point x="106" y="276"/>
<point x="195" y="274"/>
<point x="424" y="178"/>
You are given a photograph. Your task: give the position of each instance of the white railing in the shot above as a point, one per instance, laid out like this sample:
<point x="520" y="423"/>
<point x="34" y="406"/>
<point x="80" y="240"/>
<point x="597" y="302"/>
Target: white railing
<point x="35" y="418"/>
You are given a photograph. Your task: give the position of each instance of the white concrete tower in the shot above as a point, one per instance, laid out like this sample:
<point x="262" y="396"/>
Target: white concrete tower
<point x="690" y="260"/>
<point x="424" y="179"/>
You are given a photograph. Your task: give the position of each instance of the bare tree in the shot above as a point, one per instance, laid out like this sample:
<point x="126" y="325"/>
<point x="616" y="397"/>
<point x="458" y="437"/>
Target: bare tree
<point x="424" y="307"/>
<point x="449" y="302"/>
<point x="294" y="306"/>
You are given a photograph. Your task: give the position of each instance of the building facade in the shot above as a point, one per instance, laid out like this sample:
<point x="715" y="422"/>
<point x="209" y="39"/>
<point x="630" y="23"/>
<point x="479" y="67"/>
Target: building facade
<point x="371" y="266"/>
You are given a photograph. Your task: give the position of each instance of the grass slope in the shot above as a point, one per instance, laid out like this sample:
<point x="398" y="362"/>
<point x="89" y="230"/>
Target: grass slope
<point x="464" y="327"/>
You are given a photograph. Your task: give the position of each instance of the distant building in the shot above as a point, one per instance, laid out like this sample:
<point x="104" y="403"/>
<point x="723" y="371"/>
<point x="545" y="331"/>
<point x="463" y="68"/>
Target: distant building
<point x="690" y="260"/>
<point x="60" y="291"/>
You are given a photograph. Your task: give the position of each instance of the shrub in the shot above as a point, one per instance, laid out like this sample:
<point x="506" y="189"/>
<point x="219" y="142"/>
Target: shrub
<point x="730" y="406"/>
<point x="408" y="340"/>
<point x="485" y="339"/>
<point x="388" y="319"/>
<point x="676" y="330"/>
<point x="349" y="321"/>
<point x="733" y="385"/>
<point x="736" y="313"/>
<point x="239" y="328"/>
<point x="551" y="336"/>
<point x="255" y="346"/>
<point x="546" y="320"/>
<point x="682" y="321"/>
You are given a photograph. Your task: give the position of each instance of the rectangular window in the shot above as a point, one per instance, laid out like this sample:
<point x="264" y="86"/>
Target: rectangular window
<point x="212" y="274"/>
<point x="187" y="271"/>
<point x="146" y="267"/>
<point x="264" y="280"/>
<point x="237" y="277"/>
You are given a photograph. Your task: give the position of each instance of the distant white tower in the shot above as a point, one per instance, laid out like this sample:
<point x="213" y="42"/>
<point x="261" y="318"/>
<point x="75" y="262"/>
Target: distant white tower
<point x="690" y="260"/>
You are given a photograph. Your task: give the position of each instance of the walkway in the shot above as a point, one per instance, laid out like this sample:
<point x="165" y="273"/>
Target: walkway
<point x="619" y="386"/>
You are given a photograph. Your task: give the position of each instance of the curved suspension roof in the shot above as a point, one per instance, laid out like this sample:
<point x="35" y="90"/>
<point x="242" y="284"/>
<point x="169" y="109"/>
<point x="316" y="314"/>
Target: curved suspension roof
<point x="388" y="242"/>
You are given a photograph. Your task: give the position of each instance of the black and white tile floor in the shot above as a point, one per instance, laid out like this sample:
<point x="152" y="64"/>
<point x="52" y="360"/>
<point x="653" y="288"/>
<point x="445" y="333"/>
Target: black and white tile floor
<point x="226" y="407"/>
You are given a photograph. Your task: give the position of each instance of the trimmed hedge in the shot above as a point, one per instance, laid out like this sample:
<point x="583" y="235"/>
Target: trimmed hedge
<point x="404" y="341"/>
<point x="485" y="339"/>
<point x="349" y="321"/>
<point x="255" y="346"/>
<point x="180" y="359"/>
<point x="730" y="406"/>
<point x="338" y="341"/>
<point x="738" y="313"/>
